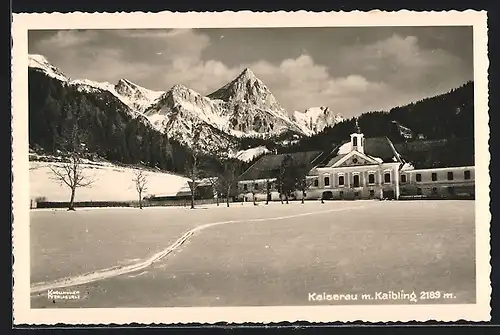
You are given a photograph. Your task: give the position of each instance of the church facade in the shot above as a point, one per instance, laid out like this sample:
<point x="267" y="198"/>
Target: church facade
<point x="356" y="174"/>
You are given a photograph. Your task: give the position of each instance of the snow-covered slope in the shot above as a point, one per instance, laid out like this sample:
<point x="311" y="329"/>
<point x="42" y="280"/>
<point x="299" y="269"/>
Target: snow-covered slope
<point x="41" y="63"/>
<point x="136" y="97"/>
<point x="313" y="120"/>
<point x="249" y="154"/>
<point x="192" y="119"/>
<point x="404" y="131"/>
<point x="111" y="183"/>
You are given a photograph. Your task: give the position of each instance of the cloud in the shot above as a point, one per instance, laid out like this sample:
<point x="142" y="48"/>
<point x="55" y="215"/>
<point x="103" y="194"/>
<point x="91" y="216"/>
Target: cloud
<point x="300" y="83"/>
<point x="374" y="76"/>
<point x="401" y="62"/>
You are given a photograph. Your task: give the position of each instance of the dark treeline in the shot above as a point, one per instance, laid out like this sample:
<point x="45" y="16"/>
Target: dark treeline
<point x="110" y="130"/>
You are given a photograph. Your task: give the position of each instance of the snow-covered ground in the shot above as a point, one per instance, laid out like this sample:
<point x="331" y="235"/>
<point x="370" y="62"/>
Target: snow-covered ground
<point x="111" y="183"/>
<point x="249" y="154"/>
<point x="251" y="255"/>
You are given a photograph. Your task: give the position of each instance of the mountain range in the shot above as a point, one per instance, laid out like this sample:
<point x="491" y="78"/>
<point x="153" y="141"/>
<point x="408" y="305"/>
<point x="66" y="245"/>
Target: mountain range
<point x="131" y="124"/>
<point x="244" y="107"/>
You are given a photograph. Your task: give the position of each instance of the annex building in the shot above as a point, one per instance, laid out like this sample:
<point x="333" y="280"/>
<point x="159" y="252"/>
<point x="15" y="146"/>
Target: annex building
<point x="361" y="168"/>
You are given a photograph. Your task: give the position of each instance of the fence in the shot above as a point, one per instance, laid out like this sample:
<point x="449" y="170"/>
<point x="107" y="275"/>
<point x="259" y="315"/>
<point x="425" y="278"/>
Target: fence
<point x="145" y="203"/>
<point x="179" y="202"/>
<point x="55" y="204"/>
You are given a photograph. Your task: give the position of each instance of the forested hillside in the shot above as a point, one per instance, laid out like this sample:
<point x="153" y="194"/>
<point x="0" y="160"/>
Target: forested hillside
<point x="110" y="129"/>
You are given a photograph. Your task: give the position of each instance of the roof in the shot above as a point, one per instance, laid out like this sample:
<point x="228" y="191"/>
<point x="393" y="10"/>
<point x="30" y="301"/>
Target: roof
<point x="268" y="166"/>
<point x="381" y="147"/>
<point x="374" y="147"/>
<point x="335" y="159"/>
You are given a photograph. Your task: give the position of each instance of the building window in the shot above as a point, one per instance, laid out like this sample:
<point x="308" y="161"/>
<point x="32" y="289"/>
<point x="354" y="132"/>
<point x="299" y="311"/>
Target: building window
<point x="387" y="177"/>
<point x="341" y="194"/>
<point x="434" y="176"/>
<point x="355" y="141"/>
<point x="434" y="191"/>
<point x="316" y="182"/>
<point x="450" y="175"/>
<point x="256" y="186"/>
<point x="371" y="178"/>
<point x="356" y="194"/>
<point x="327" y="181"/>
<point x="341" y="180"/>
<point x="403" y="178"/>
<point x="419" y="191"/>
<point x="451" y="190"/>
<point x="355" y="180"/>
<point x="418" y="177"/>
<point x="372" y="193"/>
<point x="466" y="174"/>
<point x="245" y="187"/>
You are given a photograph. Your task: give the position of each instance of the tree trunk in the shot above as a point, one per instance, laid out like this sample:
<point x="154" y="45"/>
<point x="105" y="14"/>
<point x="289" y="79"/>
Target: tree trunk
<point x="227" y="196"/>
<point x="253" y="198"/>
<point x="286" y="198"/>
<point x="192" y="199"/>
<point x="140" y="200"/>
<point x="303" y="196"/>
<point x="71" y="206"/>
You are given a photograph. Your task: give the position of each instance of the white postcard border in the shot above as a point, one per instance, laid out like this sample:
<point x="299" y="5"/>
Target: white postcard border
<point x="23" y="314"/>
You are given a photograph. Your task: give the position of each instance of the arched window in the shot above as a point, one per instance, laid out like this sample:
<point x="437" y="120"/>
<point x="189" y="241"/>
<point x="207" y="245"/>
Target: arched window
<point x="355" y="180"/>
<point x="355" y="141"/>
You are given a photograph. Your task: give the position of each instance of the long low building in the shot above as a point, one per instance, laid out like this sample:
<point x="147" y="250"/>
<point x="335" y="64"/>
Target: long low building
<point x="358" y="169"/>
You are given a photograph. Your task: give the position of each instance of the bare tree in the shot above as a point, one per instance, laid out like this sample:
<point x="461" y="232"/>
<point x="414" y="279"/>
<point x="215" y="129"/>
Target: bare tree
<point x="193" y="167"/>
<point x="268" y="190"/>
<point x="140" y="182"/>
<point x="71" y="172"/>
<point x="303" y="185"/>
<point x="254" y="191"/>
<point x="229" y="176"/>
<point x="193" y="172"/>
<point x="214" y="183"/>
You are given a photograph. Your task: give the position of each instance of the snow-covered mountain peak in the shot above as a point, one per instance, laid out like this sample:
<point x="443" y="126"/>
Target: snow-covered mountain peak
<point x="40" y="62"/>
<point x="247" y="75"/>
<point x="313" y="120"/>
<point x="140" y="97"/>
<point x="246" y="88"/>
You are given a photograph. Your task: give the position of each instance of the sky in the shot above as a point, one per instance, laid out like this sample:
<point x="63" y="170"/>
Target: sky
<point x="352" y="70"/>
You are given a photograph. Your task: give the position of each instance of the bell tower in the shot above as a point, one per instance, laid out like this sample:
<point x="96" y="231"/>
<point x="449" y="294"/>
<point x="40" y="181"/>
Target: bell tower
<point x="358" y="142"/>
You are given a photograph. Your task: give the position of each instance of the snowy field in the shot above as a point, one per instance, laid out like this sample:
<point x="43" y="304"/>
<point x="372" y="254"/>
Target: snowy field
<point x="111" y="183"/>
<point x="253" y="255"/>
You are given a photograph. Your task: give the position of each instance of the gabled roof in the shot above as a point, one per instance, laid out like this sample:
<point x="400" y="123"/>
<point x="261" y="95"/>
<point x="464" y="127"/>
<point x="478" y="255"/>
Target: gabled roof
<point x="335" y="159"/>
<point x="377" y="148"/>
<point x="268" y="166"/>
